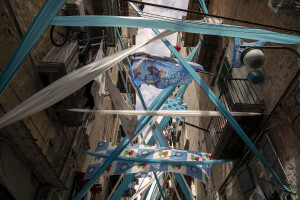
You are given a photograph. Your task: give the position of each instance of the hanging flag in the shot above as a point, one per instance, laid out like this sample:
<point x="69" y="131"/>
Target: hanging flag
<point x="159" y="71"/>
<point x="175" y="104"/>
<point x="129" y="123"/>
<point x="237" y="51"/>
<point x="150" y="152"/>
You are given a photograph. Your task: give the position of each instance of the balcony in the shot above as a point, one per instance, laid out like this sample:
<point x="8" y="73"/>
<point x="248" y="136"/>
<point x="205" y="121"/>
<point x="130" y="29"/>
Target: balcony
<point x="237" y="95"/>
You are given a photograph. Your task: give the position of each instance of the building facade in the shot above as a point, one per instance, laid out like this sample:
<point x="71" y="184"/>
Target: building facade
<point x="40" y="155"/>
<point x="276" y="133"/>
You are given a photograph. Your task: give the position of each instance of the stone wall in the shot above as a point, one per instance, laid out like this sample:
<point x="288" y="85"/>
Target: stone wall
<point x="278" y="71"/>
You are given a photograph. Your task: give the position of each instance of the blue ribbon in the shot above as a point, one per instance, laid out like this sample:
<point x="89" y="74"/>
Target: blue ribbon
<point x="125" y="142"/>
<point x="183" y="26"/>
<point x="159" y="161"/>
<point x="40" y="23"/>
<point x="204" y="8"/>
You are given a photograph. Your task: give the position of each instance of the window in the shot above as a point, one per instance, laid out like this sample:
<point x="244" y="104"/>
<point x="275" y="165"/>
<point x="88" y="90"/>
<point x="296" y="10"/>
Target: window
<point x="256" y="174"/>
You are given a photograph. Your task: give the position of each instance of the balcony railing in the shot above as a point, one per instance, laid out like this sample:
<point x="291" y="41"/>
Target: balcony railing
<point x="237" y="95"/>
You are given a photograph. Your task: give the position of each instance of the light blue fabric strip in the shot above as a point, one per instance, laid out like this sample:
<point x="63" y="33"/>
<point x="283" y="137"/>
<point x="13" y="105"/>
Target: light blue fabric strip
<point x="159" y="161"/>
<point x="228" y="116"/>
<point x="120" y="190"/>
<point x="146" y="176"/>
<point x="190" y="58"/>
<point x="146" y="194"/>
<point x="123" y="186"/>
<point x="222" y="109"/>
<point x="183" y="26"/>
<point x="141" y="123"/>
<point x="38" y="26"/>
<point x="159" y="186"/>
<point x="154" y="190"/>
<point x="204" y="8"/>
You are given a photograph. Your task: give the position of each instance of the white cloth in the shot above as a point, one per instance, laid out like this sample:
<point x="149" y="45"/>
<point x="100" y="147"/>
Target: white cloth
<point x="68" y="84"/>
<point x="186" y="113"/>
<point x="129" y="123"/>
<point x="98" y="87"/>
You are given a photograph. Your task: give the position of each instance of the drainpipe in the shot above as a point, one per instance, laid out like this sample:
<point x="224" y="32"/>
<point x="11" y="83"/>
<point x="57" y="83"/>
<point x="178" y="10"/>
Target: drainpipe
<point x="74" y="143"/>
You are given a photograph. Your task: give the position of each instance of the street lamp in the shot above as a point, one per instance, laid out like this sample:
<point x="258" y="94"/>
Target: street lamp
<point x="254" y="57"/>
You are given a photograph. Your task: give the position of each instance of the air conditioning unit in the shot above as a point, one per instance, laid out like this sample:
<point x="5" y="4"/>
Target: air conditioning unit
<point x="76" y="8"/>
<point x="48" y="193"/>
<point x="282" y="6"/>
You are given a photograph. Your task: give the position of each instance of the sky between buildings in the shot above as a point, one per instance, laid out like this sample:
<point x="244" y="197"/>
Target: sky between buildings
<point x="158" y="47"/>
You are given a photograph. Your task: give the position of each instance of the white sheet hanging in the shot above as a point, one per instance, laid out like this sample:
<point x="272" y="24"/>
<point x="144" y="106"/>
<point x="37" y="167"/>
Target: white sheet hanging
<point x="68" y="84"/>
<point x="129" y="123"/>
<point x="98" y="87"/>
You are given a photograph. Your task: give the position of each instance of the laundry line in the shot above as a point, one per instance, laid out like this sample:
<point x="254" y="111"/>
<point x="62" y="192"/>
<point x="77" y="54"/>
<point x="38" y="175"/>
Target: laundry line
<point x="185" y="113"/>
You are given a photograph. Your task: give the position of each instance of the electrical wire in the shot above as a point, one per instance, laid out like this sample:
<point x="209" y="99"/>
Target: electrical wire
<point x="175" y="21"/>
<point x="216" y="16"/>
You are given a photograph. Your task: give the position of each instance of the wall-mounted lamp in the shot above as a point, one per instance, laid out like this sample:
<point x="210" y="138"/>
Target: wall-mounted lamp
<point x="254" y="57"/>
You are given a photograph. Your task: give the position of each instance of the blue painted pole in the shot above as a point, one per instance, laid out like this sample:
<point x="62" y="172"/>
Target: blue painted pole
<point x="38" y="26"/>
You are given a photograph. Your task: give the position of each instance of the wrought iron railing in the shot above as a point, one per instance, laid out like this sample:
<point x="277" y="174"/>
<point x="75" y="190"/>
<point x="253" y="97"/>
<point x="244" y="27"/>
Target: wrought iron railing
<point x="236" y="95"/>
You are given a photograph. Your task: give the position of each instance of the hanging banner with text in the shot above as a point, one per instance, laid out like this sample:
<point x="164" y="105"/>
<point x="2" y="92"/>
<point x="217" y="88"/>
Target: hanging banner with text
<point x="200" y="172"/>
<point x="159" y="71"/>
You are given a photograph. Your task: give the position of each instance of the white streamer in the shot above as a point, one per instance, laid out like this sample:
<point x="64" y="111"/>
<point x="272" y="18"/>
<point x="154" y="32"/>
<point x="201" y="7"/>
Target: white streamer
<point x="68" y="84"/>
<point x="185" y="113"/>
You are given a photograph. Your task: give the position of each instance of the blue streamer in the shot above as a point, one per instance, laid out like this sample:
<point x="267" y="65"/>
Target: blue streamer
<point x="141" y="123"/>
<point x="38" y="26"/>
<point x="183" y="26"/>
<point x="159" y="186"/>
<point x="123" y="186"/>
<point x="159" y="161"/>
<point x="204" y="8"/>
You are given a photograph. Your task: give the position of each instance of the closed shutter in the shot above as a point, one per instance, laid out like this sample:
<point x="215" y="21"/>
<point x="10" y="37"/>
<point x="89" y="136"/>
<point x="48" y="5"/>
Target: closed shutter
<point x="245" y="181"/>
<point x="272" y="158"/>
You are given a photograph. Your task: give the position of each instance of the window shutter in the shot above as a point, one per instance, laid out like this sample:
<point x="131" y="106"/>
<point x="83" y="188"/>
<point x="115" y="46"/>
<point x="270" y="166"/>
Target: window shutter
<point x="245" y="181"/>
<point x="272" y="158"/>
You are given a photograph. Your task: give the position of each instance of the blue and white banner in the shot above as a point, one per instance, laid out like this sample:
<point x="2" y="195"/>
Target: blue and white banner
<point x="149" y="152"/>
<point x="159" y="71"/>
<point x="175" y="104"/>
<point x="237" y="51"/>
